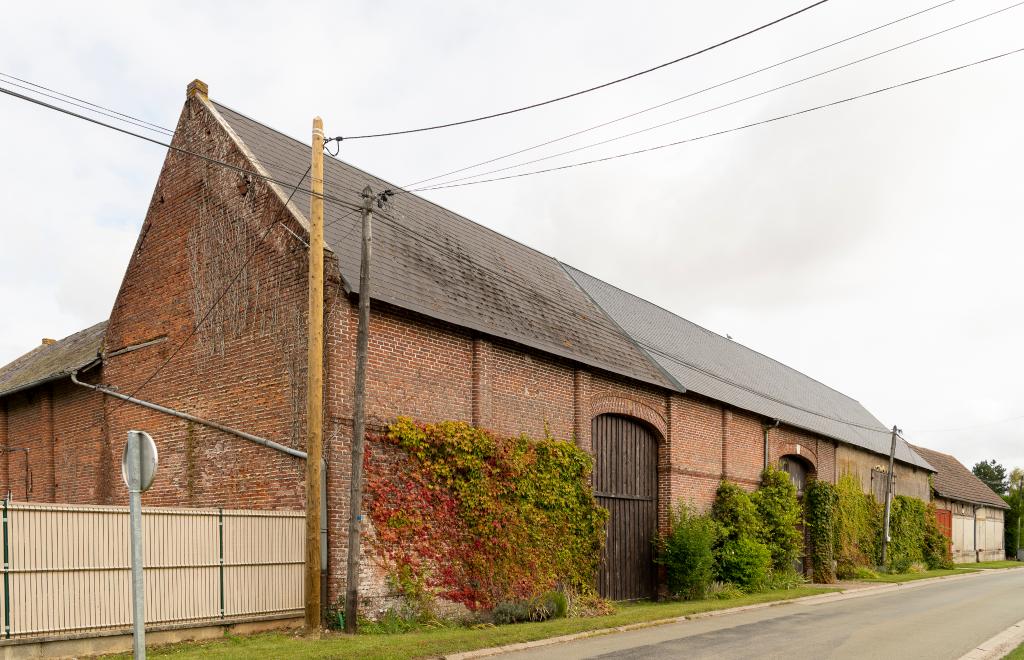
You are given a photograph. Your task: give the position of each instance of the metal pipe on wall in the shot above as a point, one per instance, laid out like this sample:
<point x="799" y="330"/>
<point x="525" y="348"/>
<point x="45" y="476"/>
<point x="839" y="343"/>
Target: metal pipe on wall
<point x="191" y="418"/>
<point x="768" y="427"/>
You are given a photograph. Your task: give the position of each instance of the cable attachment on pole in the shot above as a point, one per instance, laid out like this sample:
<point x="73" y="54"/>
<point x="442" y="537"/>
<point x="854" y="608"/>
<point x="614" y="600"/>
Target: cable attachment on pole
<point x="383" y="196"/>
<point x="337" y="150"/>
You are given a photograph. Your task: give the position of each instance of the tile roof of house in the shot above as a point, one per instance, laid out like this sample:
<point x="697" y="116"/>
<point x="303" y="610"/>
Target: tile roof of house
<point x="437" y="263"/>
<point x="445" y="266"/>
<point x="955" y="482"/>
<point x="712" y="365"/>
<point x="51" y="361"/>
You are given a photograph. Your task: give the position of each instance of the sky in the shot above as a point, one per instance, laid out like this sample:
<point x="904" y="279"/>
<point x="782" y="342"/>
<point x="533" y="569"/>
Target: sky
<point x="874" y="245"/>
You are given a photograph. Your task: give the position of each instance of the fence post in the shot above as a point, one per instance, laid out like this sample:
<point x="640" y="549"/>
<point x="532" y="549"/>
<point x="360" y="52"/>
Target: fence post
<point x="220" y="531"/>
<point x="7" y="571"/>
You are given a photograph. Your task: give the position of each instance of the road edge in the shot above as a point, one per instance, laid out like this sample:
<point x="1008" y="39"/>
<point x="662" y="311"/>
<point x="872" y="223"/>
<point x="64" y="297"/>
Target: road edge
<point x="843" y="594"/>
<point x="998" y="646"/>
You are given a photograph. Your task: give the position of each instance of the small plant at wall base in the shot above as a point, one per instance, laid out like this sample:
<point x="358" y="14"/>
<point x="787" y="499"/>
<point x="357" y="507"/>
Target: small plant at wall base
<point x="687" y="551"/>
<point x="478" y="519"/>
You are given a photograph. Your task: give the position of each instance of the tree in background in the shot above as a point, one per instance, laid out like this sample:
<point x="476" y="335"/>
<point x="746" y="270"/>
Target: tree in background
<point x="1015" y="498"/>
<point x="993" y="474"/>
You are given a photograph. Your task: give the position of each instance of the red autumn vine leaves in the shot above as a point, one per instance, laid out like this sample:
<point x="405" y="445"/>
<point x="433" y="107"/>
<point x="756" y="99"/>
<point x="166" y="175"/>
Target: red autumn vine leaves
<point x="478" y="519"/>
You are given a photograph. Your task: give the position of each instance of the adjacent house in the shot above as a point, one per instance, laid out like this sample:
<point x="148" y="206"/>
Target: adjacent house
<point x="969" y="512"/>
<point x="466" y="324"/>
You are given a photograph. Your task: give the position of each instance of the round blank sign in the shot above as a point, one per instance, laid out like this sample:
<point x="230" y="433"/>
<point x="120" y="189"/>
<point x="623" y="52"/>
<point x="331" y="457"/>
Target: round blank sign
<point x="143" y="472"/>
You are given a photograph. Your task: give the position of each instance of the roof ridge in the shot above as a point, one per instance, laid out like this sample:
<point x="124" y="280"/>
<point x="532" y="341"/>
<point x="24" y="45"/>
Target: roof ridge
<point x="392" y="185"/>
<point x="715" y="334"/>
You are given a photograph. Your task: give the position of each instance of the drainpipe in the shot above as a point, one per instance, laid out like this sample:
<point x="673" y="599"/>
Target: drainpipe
<point x="977" y="555"/>
<point x="767" y="427"/>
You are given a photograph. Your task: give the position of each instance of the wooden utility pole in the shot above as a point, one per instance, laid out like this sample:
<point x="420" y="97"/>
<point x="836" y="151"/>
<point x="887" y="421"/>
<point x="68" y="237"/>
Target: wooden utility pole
<point x="888" y="495"/>
<point x="355" y="498"/>
<point x="315" y="380"/>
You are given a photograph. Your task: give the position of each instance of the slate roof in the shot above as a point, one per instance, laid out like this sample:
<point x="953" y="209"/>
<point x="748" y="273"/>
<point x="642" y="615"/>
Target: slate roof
<point x="709" y="364"/>
<point x="447" y="267"/>
<point x="954" y="481"/>
<point x="51" y="361"/>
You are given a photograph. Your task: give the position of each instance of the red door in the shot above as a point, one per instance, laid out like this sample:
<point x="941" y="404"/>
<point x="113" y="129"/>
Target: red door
<point x="944" y="517"/>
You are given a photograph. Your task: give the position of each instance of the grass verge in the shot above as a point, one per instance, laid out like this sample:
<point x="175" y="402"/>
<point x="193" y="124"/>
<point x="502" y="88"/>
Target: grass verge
<point x="440" y="641"/>
<point x="910" y="577"/>
<point x="1005" y="563"/>
<point x="1016" y="654"/>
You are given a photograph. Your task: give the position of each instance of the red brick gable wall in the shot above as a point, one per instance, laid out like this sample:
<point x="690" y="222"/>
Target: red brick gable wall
<point x="245" y="367"/>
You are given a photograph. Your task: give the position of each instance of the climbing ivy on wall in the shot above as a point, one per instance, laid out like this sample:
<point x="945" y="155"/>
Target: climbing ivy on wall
<point x="821" y="501"/>
<point x="859" y="520"/>
<point x="479" y="519"/>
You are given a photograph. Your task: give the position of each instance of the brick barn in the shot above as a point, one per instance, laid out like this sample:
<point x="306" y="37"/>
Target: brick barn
<point x="971" y="514"/>
<point x="467" y="324"/>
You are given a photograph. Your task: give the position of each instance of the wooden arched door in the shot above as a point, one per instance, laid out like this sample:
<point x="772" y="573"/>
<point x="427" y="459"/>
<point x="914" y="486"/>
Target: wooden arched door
<point x="626" y="483"/>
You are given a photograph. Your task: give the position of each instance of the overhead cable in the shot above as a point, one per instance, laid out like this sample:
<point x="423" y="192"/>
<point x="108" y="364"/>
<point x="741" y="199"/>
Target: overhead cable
<point x="736" y="101"/>
<point x="728" y="130"/>
<point x="678" y="98"/>
<point x="589" y="89"/>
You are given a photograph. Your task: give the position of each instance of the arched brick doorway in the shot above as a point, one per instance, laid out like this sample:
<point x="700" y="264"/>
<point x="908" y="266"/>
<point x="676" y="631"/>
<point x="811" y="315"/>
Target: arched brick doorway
<point x="626" y="483"/>
<point x="800" y="471"/>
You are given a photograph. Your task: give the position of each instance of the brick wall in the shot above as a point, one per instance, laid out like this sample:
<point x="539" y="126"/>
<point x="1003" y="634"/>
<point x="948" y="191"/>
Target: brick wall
<point x="245" y="366"/>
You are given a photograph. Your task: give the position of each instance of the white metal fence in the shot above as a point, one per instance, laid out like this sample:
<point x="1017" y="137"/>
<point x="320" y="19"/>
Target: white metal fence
<point x="67" y="568"/>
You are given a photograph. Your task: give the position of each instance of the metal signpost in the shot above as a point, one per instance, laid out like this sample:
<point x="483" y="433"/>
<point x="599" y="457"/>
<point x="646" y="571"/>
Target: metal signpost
<point x="138" y="467"/>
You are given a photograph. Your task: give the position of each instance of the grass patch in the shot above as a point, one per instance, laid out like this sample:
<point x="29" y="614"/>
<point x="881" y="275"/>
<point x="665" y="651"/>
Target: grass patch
<point x="1005" y="563"/>
<point x="441" y="641"/>
<point x="1016" y="654"/>
<point x="923" y="575"/>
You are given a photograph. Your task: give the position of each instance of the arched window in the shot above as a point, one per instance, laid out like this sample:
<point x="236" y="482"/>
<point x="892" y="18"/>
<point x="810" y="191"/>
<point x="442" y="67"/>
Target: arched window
<point x="798" y="470"/>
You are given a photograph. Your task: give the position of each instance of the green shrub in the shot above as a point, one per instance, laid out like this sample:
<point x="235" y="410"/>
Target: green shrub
<point x="723" y="591"/>
<point x="786" y="579"/>
<point x="779" y="515"/>
<point x="516" y="611"/>
<point x="549" y="605"/>
<point x="745" y="562"/>
<point x="740" y="556"/>
<point x="821" y="504"/>
<point x="734" y="512"/>
<point x="686" y="551"/>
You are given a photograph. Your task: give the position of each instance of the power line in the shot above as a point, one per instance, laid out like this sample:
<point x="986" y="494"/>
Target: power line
<point x="223" y="293"/>
<point x="161" y="131"/>
<point x="736" y="101"/>
<point x="589" y="89"/>
<point x="679" y="98"/>
<point x="146" y="138"/>
<point x="728" y="130"/>
<point x="973" y="426"/>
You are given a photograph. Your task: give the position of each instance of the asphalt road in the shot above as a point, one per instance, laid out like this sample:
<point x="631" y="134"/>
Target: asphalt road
<point x="943" y="619"/>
